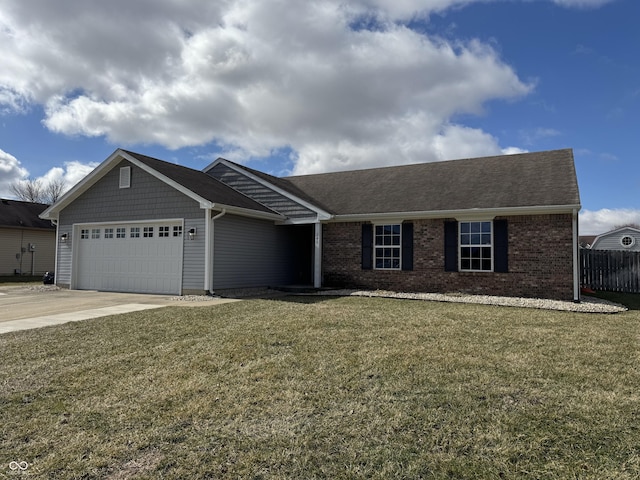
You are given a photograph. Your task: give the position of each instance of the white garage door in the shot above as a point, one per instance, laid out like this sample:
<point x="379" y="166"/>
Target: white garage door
<point x="141" y="258"/>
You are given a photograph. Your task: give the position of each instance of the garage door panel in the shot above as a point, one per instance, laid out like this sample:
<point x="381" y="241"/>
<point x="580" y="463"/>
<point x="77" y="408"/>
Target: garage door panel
<point x="150" y="264"/>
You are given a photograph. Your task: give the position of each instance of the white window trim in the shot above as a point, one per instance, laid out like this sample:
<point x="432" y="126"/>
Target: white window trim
<point x="493" y="255"/>
<point x="375" y="247"/>
<point x="633" y="241"/>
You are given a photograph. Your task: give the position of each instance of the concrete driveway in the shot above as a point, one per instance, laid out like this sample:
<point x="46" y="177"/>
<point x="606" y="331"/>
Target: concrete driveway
<point x="25" y="307"/>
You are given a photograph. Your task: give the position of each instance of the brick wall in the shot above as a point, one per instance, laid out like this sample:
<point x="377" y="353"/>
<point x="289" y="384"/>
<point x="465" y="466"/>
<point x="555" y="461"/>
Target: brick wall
<point x="540" y="261"/>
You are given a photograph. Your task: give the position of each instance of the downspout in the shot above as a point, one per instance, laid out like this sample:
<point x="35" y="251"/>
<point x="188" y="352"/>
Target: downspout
<point x="576" y="259"/>
<point x="317" y="256"/>
<point x="55" y="222"/>
<point x="210" y="251"/>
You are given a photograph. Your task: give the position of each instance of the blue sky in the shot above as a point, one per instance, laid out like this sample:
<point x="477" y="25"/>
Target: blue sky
<point x="292" y="89"/>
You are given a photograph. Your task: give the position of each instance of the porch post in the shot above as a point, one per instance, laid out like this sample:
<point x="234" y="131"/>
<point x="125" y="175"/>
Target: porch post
<point x="576" y="258"/>
<point x="317" y="256"/>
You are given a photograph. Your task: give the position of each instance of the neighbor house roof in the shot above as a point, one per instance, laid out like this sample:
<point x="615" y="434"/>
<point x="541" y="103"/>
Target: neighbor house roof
<point x="18" y="214"/>
<point x="541" y="179"/>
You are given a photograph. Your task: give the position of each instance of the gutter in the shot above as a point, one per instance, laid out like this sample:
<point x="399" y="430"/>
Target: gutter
<point x="468" y="213"/>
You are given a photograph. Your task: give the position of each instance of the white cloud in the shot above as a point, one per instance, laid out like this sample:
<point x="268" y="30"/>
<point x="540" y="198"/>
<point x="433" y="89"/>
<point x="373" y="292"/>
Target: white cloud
<point x="12" y="172"/>
<point x="255" y="77"/>
<point x="595" y="222"/>
<point x="70" y="174"/>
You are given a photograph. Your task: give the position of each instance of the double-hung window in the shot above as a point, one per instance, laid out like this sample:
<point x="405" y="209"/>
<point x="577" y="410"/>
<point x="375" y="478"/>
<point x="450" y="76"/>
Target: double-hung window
<point x="476" y="246"/>
<point x="387" y="247"/>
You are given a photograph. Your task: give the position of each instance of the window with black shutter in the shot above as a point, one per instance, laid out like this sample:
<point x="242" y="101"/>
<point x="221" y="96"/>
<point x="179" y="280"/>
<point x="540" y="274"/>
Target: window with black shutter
<point x="476" y="246"/>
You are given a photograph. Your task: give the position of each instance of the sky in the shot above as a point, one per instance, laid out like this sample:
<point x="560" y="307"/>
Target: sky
<point x="290" y="87"/>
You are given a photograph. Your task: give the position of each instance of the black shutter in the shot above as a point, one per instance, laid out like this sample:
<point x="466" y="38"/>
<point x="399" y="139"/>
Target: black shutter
<point x="367" y="246"/>
<point x="451" y="246"/>
<point x="501" y="246"/>
<point x="407" y="246"/>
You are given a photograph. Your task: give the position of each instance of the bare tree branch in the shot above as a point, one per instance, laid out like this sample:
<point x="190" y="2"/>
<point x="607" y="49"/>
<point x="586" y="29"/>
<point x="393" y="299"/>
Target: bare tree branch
<point x="54" y="190"/>
<point x="29" y="190"/>
<point x="33" y="190"/>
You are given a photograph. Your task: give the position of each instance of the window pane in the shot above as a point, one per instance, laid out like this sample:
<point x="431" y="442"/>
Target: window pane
<point x="475" y="246"/>
<point x="396" y="229"/>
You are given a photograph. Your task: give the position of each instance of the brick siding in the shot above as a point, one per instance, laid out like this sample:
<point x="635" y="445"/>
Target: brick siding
<point x="540" y="261"/>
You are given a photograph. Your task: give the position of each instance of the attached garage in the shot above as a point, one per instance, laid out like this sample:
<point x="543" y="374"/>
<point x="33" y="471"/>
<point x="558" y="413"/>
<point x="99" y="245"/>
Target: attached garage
<point x="129" y="257"/>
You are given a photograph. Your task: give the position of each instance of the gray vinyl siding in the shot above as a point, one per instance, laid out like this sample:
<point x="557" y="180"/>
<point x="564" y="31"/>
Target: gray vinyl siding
<point x="260" y="193"/>
<point x="612" y="241"/>
<point x="65" y="255"/>
<point x="147" y="199"/>
<point x="251" y="253"/>
<point x="193" y="259"/>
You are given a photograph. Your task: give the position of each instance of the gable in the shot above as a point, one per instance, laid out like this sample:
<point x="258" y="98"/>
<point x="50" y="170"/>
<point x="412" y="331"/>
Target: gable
<point x="260" y="192"/>
<point x="107" y="201"/>
<point x="625" y="238"/>
<point x="193" y="184"/>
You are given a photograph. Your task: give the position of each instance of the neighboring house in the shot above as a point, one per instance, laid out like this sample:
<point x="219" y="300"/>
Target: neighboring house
<point x="586" y="241"/>
<point x="27" y="243"/>
<point x="623" y="238"/>
<point x="503" y="225"/>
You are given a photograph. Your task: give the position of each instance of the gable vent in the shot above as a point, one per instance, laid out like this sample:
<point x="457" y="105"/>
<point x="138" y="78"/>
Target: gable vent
<point x="125" y="177"/>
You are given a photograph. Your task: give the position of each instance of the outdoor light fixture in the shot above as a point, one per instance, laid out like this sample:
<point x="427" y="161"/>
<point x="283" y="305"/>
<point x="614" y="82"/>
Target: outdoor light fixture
<point x="64" y="237"/>
<point x="192" y="233"/>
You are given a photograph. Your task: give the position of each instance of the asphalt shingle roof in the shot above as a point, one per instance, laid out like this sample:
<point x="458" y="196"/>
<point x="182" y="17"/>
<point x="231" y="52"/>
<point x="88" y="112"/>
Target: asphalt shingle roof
<point x="522" y="180"/>
<point x="18" y="214"/>
<point x="201" y="184"/>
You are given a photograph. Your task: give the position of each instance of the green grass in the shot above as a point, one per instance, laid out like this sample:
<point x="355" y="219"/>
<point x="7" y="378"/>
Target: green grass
<point x="325" y="388"/>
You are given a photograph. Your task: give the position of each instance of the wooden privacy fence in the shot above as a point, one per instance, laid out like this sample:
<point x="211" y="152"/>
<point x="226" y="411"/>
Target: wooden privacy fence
<point x="610" y="270"/>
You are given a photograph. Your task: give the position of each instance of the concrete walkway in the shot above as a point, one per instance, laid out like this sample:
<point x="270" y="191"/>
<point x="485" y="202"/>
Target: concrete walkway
<point x="45" y="321"/>
<point x="26" y="307"/>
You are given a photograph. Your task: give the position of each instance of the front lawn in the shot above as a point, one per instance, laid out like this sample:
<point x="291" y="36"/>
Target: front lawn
<point x="325" y="388"/>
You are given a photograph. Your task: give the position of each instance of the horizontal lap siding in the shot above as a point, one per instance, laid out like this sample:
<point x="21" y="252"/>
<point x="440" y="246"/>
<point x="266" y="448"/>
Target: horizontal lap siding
<point x="251" y="253"/>
<point x="13" y="240"/>
<point x="147" y="199"/>
<point x="260" y="193"/>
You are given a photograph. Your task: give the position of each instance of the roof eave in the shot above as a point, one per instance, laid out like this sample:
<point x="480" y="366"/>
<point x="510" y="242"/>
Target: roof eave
<point x="246" y="212"/>
<point x="469" y="213"/>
